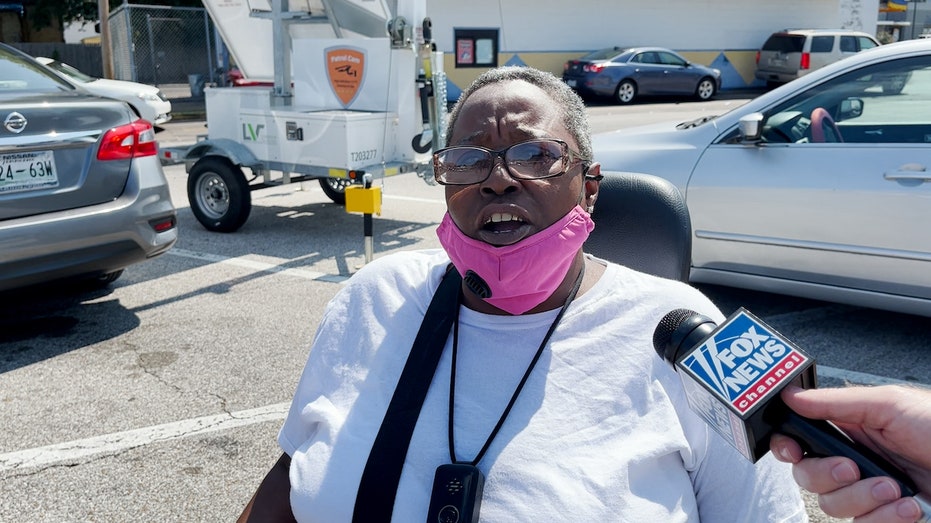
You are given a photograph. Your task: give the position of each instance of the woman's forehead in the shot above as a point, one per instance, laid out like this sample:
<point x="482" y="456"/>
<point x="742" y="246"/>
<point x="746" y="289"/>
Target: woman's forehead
<point x="508" y="110"/>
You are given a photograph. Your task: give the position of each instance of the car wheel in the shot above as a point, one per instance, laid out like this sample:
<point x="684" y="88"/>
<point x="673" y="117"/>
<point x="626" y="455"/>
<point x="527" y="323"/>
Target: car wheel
<point x="108" y="278"/>
<point x="335" y="189"/>
<point x="626" y="92"/>
<point x="92" y="282"/>
<point x="219" y="194"/>
<point x="705" y="89"/>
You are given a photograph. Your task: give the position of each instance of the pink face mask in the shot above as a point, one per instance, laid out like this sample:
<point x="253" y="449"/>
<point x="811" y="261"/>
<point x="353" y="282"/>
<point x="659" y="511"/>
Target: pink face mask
<point x="516" y="278"/>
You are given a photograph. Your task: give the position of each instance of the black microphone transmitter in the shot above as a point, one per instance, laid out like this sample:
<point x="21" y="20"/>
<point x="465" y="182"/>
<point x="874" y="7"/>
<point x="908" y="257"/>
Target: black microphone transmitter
<point x="457" y="494"/>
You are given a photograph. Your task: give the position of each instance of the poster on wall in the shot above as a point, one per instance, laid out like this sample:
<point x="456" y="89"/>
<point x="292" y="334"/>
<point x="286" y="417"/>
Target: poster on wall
<point x="465" y="54"/>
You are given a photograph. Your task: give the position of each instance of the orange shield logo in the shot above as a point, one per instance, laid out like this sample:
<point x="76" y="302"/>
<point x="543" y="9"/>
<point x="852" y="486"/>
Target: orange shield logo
<point x="345" y="68"/>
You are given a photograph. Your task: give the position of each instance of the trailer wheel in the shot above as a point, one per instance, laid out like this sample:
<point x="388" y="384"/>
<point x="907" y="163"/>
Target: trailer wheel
<point x="219" y="194"/>
<point x="335" y="189"/>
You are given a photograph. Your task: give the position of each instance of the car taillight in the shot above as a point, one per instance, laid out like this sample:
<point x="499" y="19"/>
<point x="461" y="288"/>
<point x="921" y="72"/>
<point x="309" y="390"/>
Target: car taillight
<point x="163" y="224"/>
<point x="758" y="58"/>
<point x="806" y="61"/>
<point x="128" y="141"/>
<point x="593" y="68"/>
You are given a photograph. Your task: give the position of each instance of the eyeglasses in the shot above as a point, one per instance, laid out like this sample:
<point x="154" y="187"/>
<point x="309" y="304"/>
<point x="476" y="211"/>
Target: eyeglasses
<point x="531" y="160"/>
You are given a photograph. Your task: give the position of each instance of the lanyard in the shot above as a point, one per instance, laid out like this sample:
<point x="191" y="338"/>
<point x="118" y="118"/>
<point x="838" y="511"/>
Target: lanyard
<point x="520" y="386"/>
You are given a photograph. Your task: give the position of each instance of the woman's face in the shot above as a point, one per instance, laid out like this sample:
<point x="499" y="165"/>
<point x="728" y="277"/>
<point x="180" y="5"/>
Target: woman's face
<point x="502" y="210"/>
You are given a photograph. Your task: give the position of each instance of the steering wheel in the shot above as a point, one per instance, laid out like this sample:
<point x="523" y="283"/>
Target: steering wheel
<point x="823" y="127"/>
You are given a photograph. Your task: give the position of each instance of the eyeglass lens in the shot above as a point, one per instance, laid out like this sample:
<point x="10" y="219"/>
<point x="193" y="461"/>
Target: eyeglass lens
<point x="526" y="160"/>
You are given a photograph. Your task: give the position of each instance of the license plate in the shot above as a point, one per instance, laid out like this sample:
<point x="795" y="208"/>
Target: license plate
<point x="27" y="171"/>
<point x="570" y="83"/>
<point x="777" y="61"/>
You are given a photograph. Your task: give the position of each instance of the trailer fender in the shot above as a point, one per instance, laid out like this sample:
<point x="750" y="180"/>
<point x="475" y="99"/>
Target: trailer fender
<point x="235" y="152"/>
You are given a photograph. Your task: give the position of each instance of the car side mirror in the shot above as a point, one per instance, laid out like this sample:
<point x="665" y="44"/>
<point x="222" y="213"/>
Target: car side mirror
<point x="751" y="127"/>
<point x="850" y="108"/>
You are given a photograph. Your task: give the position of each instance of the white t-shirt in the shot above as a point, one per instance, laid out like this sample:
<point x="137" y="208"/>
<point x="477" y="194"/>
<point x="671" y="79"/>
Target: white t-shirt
<point x="600" y="432"/>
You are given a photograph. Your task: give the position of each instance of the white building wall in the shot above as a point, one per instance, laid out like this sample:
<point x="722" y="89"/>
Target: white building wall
<point x="723" y="34"/>
<point x="694" y="25"/>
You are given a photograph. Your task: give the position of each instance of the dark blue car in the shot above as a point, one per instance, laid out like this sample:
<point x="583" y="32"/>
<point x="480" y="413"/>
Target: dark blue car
<point x="626" y="73"/>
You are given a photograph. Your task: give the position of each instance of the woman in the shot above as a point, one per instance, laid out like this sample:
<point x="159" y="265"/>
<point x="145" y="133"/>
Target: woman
<point x="599" y="430"/>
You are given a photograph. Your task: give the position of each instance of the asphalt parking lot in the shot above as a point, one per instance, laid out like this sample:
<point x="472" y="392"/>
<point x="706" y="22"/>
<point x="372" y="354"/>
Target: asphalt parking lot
<point x="160" y="398"/>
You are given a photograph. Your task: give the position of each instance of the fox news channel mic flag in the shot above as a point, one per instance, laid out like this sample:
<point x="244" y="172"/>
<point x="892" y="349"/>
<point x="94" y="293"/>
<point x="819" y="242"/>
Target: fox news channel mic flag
<point x="732" y="375"/>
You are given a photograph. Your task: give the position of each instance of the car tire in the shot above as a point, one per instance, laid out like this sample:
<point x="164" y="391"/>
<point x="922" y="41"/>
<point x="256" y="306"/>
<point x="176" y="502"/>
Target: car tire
<point x="706" y="89"/>
<point x="106" y="279"/>
<point x="92" y="282"/>
<point x="219" y="194"/>
<point x="626" y="92"/>
<point x="335" y="189"/>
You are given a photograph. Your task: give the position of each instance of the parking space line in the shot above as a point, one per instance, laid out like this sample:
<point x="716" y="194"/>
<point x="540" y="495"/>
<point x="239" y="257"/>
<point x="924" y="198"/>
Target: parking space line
<point x="439" y="201"/>
<point x="258" y="266"/>
<point x="72" y="451"/>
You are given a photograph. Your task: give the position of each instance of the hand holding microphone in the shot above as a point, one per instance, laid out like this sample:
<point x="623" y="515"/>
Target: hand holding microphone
<point x="894" y="420"/>
<point x="733" y="374"/>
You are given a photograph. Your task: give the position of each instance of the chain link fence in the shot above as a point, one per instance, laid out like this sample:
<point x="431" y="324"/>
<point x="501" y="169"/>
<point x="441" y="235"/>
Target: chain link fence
<point x="159" y="45"/>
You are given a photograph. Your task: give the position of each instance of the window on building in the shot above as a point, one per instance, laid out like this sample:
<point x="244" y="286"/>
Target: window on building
<point x="476" y="47"/>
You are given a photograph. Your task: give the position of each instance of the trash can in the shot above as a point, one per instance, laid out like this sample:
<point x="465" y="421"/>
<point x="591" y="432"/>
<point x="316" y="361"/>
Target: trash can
<point x="197" y="84"/>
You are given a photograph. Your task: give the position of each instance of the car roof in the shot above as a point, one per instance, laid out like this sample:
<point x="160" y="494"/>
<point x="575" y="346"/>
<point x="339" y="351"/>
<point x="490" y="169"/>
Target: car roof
<point x="622" y="49"/>
<point x="822" y="31"/>
<point x="904" y="49"/>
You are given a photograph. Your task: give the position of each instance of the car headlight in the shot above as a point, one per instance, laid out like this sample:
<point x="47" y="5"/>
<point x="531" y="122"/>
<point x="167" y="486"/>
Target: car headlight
<point x="148" y="97"/>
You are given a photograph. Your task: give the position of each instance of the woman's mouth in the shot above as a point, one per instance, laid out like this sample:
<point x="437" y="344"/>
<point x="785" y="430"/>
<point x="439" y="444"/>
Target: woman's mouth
<point x="502" y="228"/>
<point x="502" y="222"/>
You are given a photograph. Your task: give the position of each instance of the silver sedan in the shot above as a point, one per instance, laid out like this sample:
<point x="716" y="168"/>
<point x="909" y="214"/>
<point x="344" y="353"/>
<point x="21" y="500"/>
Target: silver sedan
<point x="82" y="191"/>
<point x="819" y="189"/>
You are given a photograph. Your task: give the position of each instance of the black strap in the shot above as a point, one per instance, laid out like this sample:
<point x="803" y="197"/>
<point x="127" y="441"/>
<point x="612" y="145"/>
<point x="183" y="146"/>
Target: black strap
<point x="379" y="484"/>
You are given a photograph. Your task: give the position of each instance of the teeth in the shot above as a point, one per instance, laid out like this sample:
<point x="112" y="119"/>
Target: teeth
<point x="503" y="217"/>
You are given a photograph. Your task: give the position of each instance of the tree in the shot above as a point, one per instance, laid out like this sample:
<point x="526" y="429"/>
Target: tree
<point x="45" y="13"/>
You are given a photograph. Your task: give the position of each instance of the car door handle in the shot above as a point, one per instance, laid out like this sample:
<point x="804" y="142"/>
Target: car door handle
<point x="909" y="171"/>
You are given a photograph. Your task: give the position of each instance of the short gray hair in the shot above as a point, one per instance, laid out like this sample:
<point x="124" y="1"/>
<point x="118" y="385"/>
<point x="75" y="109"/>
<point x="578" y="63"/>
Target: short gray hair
<point x="574" y="116"/>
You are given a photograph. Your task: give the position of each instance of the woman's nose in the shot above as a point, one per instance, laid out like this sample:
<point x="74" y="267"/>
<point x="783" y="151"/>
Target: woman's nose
<point x="500" y="180"/>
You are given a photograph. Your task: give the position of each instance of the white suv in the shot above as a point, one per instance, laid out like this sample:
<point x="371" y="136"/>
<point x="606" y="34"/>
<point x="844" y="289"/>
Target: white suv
<point x="790" y="54"/>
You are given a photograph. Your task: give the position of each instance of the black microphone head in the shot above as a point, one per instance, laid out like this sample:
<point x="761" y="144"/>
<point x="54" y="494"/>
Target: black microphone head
<point x="681" y="328"/>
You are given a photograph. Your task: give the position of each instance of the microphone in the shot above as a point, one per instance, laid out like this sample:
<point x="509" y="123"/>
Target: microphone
<point x="732" y="375"/>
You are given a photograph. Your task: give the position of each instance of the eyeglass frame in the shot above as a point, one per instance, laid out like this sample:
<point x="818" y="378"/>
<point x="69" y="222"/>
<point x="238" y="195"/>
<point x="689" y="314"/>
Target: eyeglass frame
<point x="496" y="154"/>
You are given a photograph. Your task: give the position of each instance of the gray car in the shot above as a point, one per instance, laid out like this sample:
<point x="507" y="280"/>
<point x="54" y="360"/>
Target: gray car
<point x="820" y="188"/>
<point x="82" y="191"/>
<point x="627" y="73"/>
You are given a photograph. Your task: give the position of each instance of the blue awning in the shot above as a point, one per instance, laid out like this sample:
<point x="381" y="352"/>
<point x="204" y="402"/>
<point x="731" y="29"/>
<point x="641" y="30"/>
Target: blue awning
<point x="12" y="6"/>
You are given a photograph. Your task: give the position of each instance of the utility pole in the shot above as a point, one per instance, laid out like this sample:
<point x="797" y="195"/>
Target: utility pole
<point x="103" y="14"/>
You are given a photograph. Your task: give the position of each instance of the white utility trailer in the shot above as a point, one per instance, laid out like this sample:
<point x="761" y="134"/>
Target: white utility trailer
<point x="355" y="90"/>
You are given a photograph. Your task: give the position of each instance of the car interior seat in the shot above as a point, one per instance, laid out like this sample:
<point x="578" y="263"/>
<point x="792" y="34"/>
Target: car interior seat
<point x="642" y="222"/>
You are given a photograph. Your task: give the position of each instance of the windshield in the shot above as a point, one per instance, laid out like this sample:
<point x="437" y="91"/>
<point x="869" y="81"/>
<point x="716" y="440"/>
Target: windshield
<point x="696" y="122"/>
<point x="602" y="54"/>
<point x="21" y="73"/>
<point x="784" y="43"/>
<point x="69" y="71"/>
